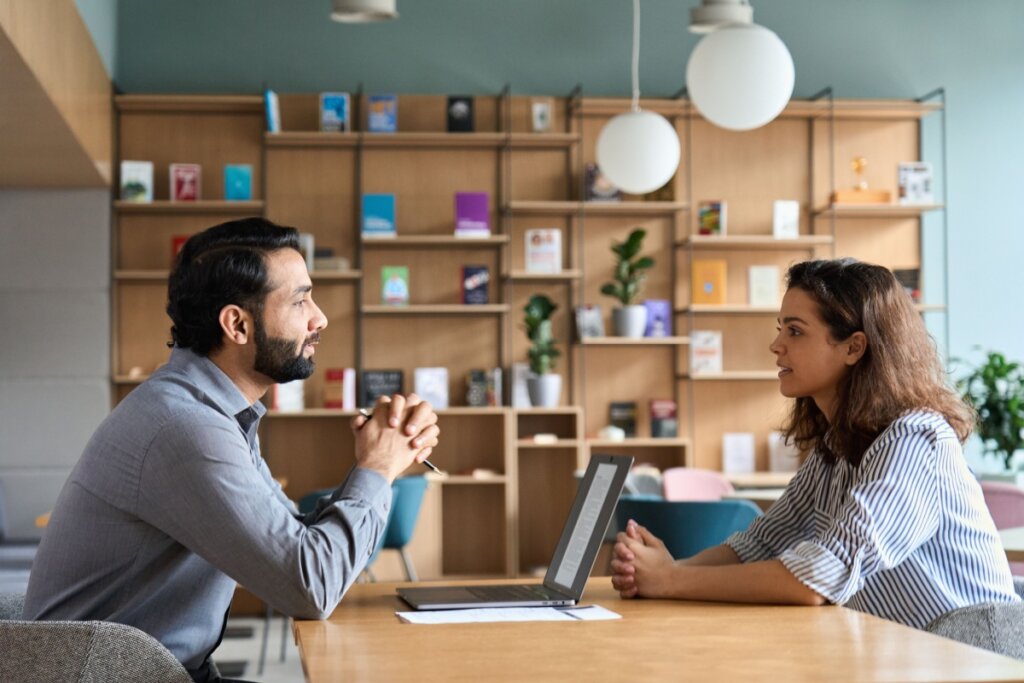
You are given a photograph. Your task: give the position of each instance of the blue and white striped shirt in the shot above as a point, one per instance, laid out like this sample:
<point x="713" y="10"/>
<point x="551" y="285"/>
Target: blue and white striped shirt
<point x="905" y="536"/>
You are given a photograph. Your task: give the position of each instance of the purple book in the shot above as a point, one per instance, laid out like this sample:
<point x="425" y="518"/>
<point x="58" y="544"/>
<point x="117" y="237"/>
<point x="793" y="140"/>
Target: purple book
<point x="472" y="218"/>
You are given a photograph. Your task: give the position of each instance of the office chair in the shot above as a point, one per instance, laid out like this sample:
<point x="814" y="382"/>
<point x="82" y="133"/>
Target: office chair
<point x="691" y="483"/>
<point x="998" y="627"/>
<point x="1005" y="503"/>
<point x="688" y="527"/>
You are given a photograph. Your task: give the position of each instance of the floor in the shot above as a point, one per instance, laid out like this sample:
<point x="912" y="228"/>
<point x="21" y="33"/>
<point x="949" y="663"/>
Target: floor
<point x="246" y="648"/>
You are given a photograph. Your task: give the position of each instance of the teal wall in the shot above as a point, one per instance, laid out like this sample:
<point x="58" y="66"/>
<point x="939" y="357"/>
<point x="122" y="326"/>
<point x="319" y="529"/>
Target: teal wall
<point x="100" y="17"/>
<point x="863" y="48"/>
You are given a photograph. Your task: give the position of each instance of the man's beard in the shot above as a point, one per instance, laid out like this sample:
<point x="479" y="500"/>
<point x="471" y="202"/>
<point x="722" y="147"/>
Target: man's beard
<point x="276" y="358"/>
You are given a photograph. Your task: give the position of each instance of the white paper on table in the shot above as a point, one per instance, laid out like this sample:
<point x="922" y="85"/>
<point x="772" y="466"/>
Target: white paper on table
<point x="491" y="614"/>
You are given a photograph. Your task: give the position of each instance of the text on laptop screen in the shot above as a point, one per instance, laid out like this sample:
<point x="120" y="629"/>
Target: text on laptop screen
<point x="577" y="547"/>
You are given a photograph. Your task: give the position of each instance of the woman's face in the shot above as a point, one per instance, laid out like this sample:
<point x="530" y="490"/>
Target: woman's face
<point x="810" y="362"/>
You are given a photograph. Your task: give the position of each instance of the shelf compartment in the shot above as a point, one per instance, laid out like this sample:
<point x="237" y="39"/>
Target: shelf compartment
<point x="876" y="210"/>
<point x="728" y="309"/>
<point x="759" y="242"/>
<point x="635" y="341"/>
<point x="436" y="309"/>
<point x="734" y="376"/>
<point x="248" y="208"/>
<point x="438" y="241"/>
<point x="563" y="276"/>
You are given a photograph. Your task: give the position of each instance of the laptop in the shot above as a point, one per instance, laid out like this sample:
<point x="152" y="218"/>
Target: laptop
<point x="574" y="556"/>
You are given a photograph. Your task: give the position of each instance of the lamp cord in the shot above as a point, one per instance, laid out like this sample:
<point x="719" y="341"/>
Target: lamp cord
<point x="636" y="55"/>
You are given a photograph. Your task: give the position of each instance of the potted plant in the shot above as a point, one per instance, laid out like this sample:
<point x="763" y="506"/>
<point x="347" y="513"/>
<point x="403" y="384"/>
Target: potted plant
<point x="629" y="319"/>
<point x="996" y="390"/>
<point x="543" y="386"/>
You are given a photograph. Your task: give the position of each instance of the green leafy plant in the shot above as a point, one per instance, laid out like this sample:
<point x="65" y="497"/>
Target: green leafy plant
<point x="996" y="390"/>
<point x="629" y="268"/>
<point x="542" y="351"/>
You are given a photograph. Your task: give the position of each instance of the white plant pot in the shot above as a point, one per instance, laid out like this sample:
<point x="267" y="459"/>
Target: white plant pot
<point x="545" y="390"/>
<point x="629" y="321"/>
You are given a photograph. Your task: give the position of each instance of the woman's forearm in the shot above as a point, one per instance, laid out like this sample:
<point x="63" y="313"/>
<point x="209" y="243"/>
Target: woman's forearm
<point x="756" y="582"/>
<point x="713" y="556"/>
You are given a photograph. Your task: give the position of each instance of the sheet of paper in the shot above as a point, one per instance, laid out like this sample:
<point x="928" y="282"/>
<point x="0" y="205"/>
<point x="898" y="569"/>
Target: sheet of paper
<point x="470" y="616"/>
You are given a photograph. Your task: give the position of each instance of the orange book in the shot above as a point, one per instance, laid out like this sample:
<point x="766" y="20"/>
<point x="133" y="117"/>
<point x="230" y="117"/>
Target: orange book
<point x="709" y="279"/>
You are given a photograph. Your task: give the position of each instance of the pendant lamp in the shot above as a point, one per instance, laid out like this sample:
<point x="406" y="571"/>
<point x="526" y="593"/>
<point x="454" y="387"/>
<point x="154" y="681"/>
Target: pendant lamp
<point x="362" y="11"/>
<point x="638" y="151"/>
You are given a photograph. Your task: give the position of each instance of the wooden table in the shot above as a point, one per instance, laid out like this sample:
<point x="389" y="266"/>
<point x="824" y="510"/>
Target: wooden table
<point x="654" y="641"/>
<point x="1013" y="543"/>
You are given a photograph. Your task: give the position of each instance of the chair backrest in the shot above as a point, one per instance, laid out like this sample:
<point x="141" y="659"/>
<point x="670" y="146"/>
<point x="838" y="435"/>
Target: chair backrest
<point x="406" y="499"/>
<point x="688" y="527"/>
<point x="640" y="482"/>
<point x="691" y="483"/>
<point x="1005" y="503"/>
<point x="998" y="627"/>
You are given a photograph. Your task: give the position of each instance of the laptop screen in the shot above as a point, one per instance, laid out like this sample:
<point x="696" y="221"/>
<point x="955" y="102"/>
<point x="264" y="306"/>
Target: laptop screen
<point x="584" y="530"/>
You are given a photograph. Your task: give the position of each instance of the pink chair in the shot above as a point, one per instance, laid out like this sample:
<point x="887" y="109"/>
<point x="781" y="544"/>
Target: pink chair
<point x="1006" y="505"/>
<point x="691" y="483"/>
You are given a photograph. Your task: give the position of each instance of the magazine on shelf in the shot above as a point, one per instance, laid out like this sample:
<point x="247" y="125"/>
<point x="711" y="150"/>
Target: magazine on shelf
<point x="711" y="218"/>
<point x="238" y="182"/>
<point x="272" y="110"/>
<point x="472" y="216"/>
<point x="377" y="383"/>
<point x="379" y="216"/>
<point x="137" y="181"/>
<point x="474" y="284"/>
<point x="186" y="182"/>
<point x="763" y="285"/>
<point x="382" y="115"/>
<point x="544" y="250"/>
<point x="705" y="352"/>
<point x="460" y="114"/>
<point x="915" y="183"/>
<point x="785" y="219"/>
<point x="334" y="112"/>
<point x="432" y="386"/>
<point x="394" y="284"/>
<point x="709" y="281"/>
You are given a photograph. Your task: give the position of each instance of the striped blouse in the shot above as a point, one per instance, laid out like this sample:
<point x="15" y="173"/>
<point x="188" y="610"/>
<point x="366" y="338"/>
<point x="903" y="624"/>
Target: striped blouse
<point x="905" y="536"/>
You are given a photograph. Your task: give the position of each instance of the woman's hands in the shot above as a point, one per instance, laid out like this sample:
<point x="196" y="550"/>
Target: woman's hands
<point x="641" y="565"/>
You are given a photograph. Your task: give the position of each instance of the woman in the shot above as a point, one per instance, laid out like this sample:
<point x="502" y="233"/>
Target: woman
<point x="884" y="515"/>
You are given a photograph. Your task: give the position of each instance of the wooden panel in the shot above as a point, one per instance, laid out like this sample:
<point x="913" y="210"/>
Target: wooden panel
<point x="883" y="143"/>
<point x="314" y="190"/>
<point x="546" y="491"/>
<point x="425" y="184"/>
<point x="210" y="139"/>
<point x="144" y="240"/>
<point x="142" y="328"/>
<point x="474" y="520"/>
<point x="564" y="426"/>
<point x="626" y="374"/>
<point x="57" y="115"/>
<point x="309" y="452"/>
<point x="434" y="274"/>
<point x="892" y="243"/>
<point x="541" y="175"/>
<point x="721" y="407"/>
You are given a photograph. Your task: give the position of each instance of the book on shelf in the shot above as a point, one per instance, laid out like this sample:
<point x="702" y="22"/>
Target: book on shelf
<point x="910" y="280"/>
<point x="711" y="217"/>
<point x="289" y="397"/>
<point x="307" y="247"/>
<point x="186" y="182"/>
<point x="738" y="453"/>
<point x="622" y="414"/>
<point x="334" y="112"/>
<point x="543" y="250"/>
<point x="340" y="388"/>
<point x="520" y="394"/>
<point x="238" y="182"/>
<point x="664" y="423"/>
<point x="379" y="215"/>
<point x="472" y="217"/>
<point x="483" y="388"/>
<point x="137" y="181"/>
<point x="589" y="321"/>
<point x="432" y="386"/>
<point x="597" y="187"/>
<point x="376" y="383"/>
<point x="474" y="284"/>
<point x="394" y="285"/>
<point x="272" y="111"/>
<point x="705" y="352"/>
<point x="915" y="183"/>
<point x="785" y="219"/>
<point x="382" y="113"/>
<point x="659" y="318"/>
<point x="763" y="284"/>
<point x="709" y="281"/>
<point x="460" y="114"/>
<point x="540" y="114"/>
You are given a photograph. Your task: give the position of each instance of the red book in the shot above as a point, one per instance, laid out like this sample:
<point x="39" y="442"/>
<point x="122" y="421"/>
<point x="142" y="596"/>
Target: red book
<point x="185" y="182"/>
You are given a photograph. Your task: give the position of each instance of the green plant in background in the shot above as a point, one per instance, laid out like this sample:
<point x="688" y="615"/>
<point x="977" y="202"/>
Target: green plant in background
<point x="996" y="390"/>
<point x="542" y="352"/>
<point x="629" y="269"/>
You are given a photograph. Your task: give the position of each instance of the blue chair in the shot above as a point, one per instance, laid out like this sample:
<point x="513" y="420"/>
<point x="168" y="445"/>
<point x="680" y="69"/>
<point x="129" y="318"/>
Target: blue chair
<point x="688" y="527"/>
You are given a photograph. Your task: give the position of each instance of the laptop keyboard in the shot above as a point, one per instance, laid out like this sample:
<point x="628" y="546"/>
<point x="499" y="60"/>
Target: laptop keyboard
<point x="514" y="593"/>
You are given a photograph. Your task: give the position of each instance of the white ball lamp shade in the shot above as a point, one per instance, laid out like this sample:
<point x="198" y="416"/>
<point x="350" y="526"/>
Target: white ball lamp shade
<point x="638" y="151"/>
<point x="740" y="76"/>
<point x="362" y="11"/>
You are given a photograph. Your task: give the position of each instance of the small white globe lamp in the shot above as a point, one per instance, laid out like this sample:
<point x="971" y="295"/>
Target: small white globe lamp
<point x="638" y="151"/>
<point x="740" y="76"/>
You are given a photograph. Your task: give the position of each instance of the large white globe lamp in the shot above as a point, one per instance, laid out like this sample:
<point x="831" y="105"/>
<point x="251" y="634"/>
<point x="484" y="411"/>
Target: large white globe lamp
<point x="740" y="76"/>
<point x="638" y="151"/>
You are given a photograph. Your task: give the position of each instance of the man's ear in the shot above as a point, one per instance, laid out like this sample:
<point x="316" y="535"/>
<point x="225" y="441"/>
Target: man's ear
<point x="856" y="347"/>
<point x="236" y="323"/>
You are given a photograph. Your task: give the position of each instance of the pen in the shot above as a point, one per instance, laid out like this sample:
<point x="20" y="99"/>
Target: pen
<point x="369" y="414"/>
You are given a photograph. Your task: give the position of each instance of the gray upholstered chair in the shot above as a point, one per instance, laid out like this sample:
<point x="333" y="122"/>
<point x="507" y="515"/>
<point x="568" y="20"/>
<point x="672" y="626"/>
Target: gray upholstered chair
<point x="992" y="626"/>
<point x="79" y="651"/>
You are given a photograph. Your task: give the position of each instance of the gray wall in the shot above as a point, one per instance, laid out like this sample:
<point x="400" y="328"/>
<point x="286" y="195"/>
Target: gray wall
<point x="55" y="341"/>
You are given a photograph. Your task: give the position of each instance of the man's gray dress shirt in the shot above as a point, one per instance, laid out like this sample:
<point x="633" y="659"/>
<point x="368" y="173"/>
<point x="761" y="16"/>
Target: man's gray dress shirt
<point x="171" y="503"/>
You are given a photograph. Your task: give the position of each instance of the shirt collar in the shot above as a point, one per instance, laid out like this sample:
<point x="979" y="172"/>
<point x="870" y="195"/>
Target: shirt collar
<point x="216" y="385"/>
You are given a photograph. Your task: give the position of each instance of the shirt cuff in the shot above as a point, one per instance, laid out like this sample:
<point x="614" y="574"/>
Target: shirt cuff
<point x="821" y="571"/>
<point x="372" y="487"/>
<point x="748" y="549"/>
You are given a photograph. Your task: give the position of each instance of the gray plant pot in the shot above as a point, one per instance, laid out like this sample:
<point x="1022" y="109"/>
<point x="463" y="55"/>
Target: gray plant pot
<point x="545" y="390"/>
<point x="629" y="321"/>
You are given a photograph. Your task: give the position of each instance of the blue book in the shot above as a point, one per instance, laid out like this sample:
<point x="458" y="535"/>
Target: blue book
<point x="334" y="111"/>
<point x="383" y="114"/>
<point x="379" y="215"/>
<point x="238" y="182"/>
<point x="272" y="110"/>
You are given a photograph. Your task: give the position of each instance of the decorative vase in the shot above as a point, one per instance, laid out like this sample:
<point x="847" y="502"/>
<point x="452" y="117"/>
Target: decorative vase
<point x="629" y="321"/>
<point x="545" y="390"/>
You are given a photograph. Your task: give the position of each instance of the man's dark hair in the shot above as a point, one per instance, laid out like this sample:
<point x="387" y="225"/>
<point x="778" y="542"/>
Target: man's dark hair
<point x="223" y="265"/>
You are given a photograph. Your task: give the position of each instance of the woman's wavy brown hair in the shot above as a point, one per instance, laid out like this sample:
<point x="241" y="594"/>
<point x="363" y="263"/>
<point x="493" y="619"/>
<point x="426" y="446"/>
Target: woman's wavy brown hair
<point x="900" y="370"/>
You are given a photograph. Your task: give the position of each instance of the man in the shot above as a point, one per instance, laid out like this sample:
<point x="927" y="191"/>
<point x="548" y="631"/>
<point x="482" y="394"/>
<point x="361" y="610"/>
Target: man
<point x="171" y="502"/>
